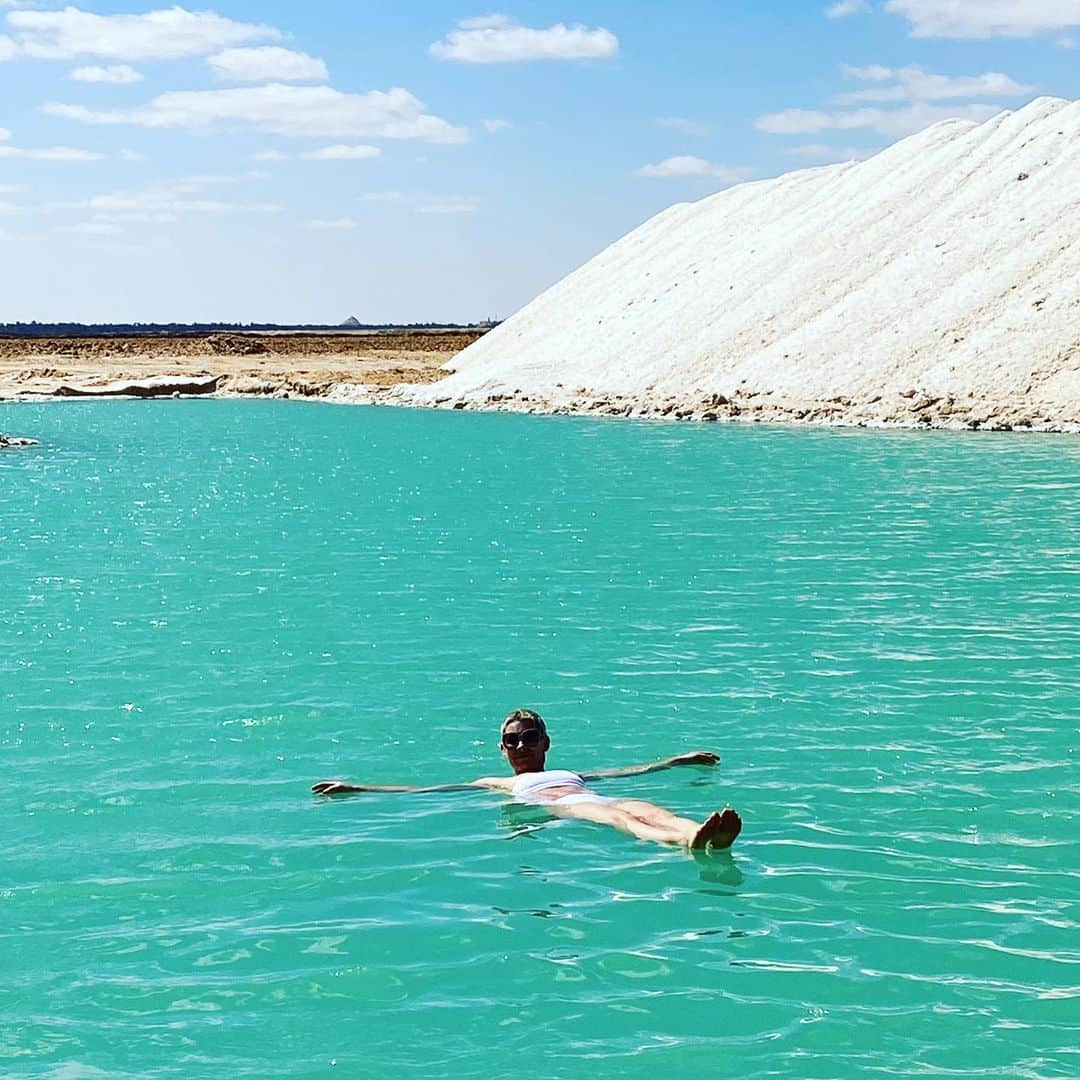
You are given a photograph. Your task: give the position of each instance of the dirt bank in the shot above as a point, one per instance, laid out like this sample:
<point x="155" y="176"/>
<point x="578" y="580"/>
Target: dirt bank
<point x="305" y="365"/>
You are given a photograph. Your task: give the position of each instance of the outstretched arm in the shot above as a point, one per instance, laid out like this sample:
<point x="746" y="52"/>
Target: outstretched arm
<point x="695" y="757"/>
<point x="340" y="787"/>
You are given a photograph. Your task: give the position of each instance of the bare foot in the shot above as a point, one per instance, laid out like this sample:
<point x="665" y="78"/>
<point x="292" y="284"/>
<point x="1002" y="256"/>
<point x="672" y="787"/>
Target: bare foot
<point x="717" y="831"/>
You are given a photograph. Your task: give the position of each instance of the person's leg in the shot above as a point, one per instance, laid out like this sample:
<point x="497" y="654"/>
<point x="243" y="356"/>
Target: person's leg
<point x="656" y="815"/>
<point x="649" y="822"/>
<point x="610" y="814"/>
<point x="717" y="831"/>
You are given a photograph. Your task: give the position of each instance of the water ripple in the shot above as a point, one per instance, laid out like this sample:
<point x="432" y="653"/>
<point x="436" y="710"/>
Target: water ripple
<point x="210" y="605"/>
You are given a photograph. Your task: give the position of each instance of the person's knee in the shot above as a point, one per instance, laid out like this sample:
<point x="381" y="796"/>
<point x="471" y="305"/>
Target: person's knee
<point x="599" y="812"/>
<point x="642" y="811"/>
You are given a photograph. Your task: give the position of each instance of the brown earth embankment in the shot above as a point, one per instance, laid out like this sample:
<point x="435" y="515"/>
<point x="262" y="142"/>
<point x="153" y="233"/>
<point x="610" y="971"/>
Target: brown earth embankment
<point x="269" y="364"/>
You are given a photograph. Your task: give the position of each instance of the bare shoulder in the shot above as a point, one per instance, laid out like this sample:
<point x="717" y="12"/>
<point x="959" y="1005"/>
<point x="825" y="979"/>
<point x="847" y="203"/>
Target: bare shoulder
<point x="496" y="783"/>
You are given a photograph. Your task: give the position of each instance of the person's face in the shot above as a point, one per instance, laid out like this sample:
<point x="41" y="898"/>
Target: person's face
<point x="524" y="746"/>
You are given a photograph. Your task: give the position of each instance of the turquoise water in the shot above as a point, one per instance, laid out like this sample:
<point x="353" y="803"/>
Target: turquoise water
<point x="209" y="605"/>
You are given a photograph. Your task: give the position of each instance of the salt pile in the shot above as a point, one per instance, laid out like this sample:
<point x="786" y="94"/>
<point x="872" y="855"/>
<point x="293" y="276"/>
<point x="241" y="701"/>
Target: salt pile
<point x="937" y="283"/>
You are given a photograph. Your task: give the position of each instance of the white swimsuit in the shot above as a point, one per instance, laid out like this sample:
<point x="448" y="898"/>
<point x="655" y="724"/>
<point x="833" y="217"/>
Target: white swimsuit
<point x="529" y="787"/>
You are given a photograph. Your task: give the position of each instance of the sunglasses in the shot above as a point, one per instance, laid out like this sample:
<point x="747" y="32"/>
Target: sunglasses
<point x="513" y="739"/>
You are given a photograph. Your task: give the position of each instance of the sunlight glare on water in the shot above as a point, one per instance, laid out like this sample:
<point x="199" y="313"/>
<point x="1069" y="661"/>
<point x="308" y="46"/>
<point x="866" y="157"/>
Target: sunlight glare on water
<point x="207" y="606"/>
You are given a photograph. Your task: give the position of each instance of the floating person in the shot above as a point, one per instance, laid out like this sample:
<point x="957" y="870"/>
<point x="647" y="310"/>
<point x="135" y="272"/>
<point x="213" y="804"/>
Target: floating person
<point x="524" y="743"/>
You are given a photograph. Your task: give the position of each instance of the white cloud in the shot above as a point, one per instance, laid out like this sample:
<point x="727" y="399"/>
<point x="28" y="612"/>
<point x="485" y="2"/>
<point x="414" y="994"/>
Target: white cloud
<point x="685" y="165"/>
<point x="93" y="228"/>
<point x="827" y="155"/>
<point x="12" y="189"/>
<point x="682" y="125"/>
<point x="447" y="206"/>
<point x="869" y="73"/>
<point x="915" y="93"/>
<point x="498" y="39"/>
<point x="149" y="201"/>
<point x="131" y="155"/>
<point x="268" y="63"/>
<point x="49" y="153"/>
<point x="844" y="8"/>
<point x="4" y="133"/>
<point x="332" y="224"/>
<point x="183" y="195"/>
<point x="8" y="49"/>
<point x="1067" y="42"/>
<point x="154" y="35"/>
<point x="424" y="203"/>
<point x="9" y="207"/>
<point x="894" y="122"/>
<point x="914" y="84"/>
<point x="491" y="126"/>
<point x="269" y="155"/>
<point x="341" y="153"/>
<point x="986" y="18"/>
<point x="137" y="217"/>
<point x="278" y="109"/>
<point x="117" y="74"/>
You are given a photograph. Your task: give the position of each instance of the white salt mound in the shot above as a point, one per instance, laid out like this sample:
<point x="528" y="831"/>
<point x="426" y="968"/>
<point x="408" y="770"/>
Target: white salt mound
<point x="938" y="282"/>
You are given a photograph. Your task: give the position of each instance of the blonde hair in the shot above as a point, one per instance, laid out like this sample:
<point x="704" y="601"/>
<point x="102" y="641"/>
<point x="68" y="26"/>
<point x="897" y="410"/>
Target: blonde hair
<point x="524" y="716"/>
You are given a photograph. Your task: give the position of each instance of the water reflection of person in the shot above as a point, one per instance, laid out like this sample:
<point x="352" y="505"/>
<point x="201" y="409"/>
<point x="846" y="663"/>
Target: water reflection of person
<point x="524" y="743"/>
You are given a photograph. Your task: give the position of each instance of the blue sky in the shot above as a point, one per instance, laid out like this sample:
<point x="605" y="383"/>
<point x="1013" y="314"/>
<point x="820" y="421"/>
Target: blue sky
<point x="273" y="161"/>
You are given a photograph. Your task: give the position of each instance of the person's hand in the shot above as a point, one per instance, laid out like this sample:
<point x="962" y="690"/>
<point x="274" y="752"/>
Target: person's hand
<point x="697" y="757"/>
<point x="331" y="787"/>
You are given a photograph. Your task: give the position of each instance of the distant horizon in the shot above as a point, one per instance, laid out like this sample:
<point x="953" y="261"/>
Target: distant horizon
<point x="35" y="327"/>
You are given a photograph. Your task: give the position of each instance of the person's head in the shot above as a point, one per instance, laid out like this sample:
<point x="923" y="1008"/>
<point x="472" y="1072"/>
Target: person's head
<point x="524" y="741"/>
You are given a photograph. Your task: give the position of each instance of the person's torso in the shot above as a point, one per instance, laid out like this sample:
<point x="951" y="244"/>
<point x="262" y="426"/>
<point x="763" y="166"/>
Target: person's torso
<point x="546" y="786"/>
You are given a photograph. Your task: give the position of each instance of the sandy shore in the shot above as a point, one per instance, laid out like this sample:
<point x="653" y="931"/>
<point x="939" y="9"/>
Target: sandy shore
<point x="267" y="365"/>
<point x="401" y="368"/>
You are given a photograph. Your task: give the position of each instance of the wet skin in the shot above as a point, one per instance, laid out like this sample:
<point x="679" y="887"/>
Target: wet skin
<point x="642" y="819"/>
<point x="637" y="817"/>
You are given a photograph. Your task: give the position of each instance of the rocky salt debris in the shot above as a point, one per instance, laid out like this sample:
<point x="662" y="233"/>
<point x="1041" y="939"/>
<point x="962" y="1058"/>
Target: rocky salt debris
<point x="350" y="394"/>
<point x="10" y="442"/>
<point x="910" y="409"/>
<point x="934" y="285"/>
